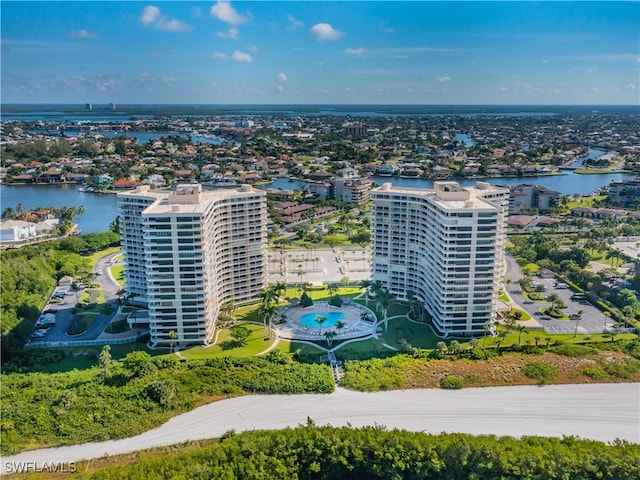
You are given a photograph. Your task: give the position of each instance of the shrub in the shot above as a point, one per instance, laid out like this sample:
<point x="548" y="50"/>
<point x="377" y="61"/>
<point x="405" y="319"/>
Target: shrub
<point x="161" y="392"/>
<point x="336" y="301"/>
<point x="595" y="373"/>
<point x="621" y="370"/>
<point x="540" y="371"/>
<point x="451" y="383"/>
<point x="77" y="326"/>
<point x="305" y="300"/>
<point x="572" y="350"/>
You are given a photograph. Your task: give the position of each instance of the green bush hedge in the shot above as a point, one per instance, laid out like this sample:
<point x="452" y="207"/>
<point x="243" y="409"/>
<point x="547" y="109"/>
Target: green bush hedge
<point x="451" y="383"/>
<point x="327" y="453"/>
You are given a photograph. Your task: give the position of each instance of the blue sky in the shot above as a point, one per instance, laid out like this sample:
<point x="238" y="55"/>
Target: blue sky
<point x="270" y="52"/>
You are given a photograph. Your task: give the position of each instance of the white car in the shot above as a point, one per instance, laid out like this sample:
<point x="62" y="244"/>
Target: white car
<point x="99" y="272"/>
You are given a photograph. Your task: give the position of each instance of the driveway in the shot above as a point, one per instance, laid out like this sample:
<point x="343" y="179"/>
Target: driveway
<point x="584" y="411"/>
<point x="63" y="310"/>
<point x="592" y="320"/>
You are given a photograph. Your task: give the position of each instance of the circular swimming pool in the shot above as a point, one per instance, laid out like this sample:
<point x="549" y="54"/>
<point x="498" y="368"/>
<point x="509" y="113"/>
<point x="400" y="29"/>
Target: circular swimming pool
<point x="309" y="320"/>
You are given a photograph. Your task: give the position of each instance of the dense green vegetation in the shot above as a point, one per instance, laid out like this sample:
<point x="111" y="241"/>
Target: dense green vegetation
<point x="140" y="392"/>
<point x="318" y="453"/>
<point x="28" y="276"/>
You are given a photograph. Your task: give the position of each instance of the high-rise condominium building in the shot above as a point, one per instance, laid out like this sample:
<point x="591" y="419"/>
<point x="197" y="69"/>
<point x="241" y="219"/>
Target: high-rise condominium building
<point x="189" y="251"/>
<point x="446" y="245"/>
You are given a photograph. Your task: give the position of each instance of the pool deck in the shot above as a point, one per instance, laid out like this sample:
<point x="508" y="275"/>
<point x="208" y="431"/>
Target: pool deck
<point x="355" y="326"/>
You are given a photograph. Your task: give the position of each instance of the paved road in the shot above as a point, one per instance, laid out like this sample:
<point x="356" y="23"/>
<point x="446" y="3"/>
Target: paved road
<point x="602" y="412"/>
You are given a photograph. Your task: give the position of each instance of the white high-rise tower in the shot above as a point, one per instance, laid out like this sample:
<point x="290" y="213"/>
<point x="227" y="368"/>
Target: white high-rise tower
<point x="189" y="251"/>
<point x="446" y="245"/>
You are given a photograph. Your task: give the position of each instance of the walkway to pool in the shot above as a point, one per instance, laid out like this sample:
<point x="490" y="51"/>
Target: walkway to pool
<point x="356" y="325"/>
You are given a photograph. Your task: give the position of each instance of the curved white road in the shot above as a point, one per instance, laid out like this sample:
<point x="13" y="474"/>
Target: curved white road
<point x="602" y="412"/>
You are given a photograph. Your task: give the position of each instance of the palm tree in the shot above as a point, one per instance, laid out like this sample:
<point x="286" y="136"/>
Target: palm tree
<point x="172" y="336"/>
<point x="320" y="319"/>
<point x="365" y="284"/>
<point x="340" y="325"/>
<point x="329" y="336"/>
<point x="578" y="318"/>
<point x="384" y="300"/>
<point x="267" y="295"/>
<point x="267" y="310"/>
<point x="555" y="300"/>
<point x="279" y="288"/>
<point x="520" y="329"/>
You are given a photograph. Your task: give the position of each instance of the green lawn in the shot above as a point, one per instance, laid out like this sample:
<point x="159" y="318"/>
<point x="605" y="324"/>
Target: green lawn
<point x="117" y="271"/>
<point x="225" y="347"/>
<point x="363" y="349"/>
<point x="286" y="346"/>
<point x="600" y="256"/>
<point x="93" y="258"/>
<point x="584" y="202"/>
<point x="416" y="334"/>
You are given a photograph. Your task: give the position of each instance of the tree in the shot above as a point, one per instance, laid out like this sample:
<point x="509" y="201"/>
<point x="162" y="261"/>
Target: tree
<point x="172" y="336"/>
<point x="240" y="333"/>
<point x="340" y="325"/>
<point x="329" y="336"/>
<point x="520" y="328"/>
<point x="578" y="318"/>
<point x="105" y="360"/>
<point x="267" y="310"/>
<point x="305" y="300"/>
<point x="320" y="319"/>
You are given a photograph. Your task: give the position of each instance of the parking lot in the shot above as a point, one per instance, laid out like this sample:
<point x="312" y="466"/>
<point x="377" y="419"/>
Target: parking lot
<point x="592" y="320"/>
<point x="63" y="299"/>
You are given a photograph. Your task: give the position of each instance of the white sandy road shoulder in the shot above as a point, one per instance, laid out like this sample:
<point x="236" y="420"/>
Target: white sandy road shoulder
<point x="600" y="412"/>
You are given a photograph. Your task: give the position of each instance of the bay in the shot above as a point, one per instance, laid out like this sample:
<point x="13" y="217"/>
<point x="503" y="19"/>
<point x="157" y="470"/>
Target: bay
<point x="568" y="184"/>
<point x="101" y="209"/>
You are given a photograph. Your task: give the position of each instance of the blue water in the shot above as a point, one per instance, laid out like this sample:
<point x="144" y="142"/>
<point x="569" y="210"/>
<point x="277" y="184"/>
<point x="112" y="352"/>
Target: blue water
<point x="309" y="320"/>
<point x="465" y="139"/>
<point x="568" y="184"/>
<point x="101" y="209"/>
<point x="593" y="154"/>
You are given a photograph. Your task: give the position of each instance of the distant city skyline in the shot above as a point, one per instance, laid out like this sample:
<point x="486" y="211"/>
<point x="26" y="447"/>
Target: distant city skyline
<point x="247" y="52"/>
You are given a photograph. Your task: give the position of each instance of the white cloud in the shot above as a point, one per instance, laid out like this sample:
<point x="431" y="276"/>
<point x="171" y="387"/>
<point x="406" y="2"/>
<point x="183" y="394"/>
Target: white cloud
<point x="224" y="12"/>
<point x="281" y="77"/>
<point x="82" y="33"/>
<point x="630" y="87"/>
<point x="355" y="51"/>
<point x="231" y="33"/>
<point x="545" y="61"/>
<point x="196" y="11"/>
<point x="293" y="22"/>
<point x="280" y="88"/>
<point x="149" y="15"/>
<point x="152" y="17"/>
<point x="236" y="57"/>
<point x="324" y="31"/>
<point x="252" y="48"/>
<point x="638" y="63"/>
<point x="441" y="78"/>
<point x="241" y="57"/>
<point x="214" y="84"/>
